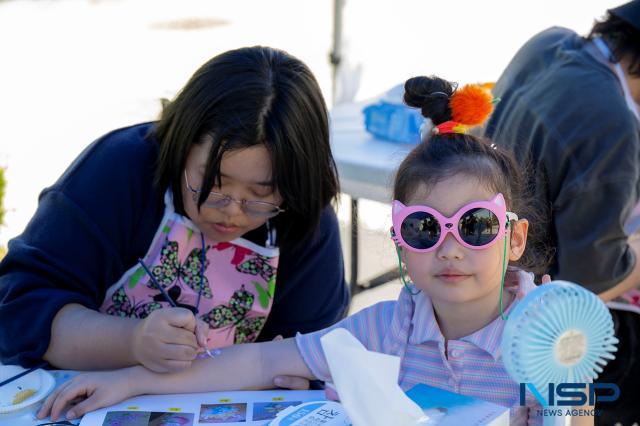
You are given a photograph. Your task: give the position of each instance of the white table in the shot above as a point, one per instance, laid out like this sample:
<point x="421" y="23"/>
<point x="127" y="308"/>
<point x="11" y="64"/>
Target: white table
<point x="150" y="403"/>
<point x="366" y="166"/>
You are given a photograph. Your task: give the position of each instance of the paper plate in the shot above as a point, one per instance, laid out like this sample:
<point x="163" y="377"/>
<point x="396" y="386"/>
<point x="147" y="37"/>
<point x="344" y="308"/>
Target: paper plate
<point x="40" y="382"/>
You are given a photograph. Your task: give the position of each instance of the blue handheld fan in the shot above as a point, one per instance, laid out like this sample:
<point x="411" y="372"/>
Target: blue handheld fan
<point x="558" y="333"/>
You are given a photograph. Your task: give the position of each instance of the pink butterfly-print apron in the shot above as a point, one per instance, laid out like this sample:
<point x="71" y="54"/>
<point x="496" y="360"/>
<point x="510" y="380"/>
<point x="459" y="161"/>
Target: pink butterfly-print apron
<point x="238" y="285"/>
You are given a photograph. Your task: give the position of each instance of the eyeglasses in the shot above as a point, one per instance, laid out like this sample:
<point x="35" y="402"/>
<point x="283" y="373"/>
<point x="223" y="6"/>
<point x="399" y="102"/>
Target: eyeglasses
<point x="218" y="200"/>
<point x="477" y="225"/>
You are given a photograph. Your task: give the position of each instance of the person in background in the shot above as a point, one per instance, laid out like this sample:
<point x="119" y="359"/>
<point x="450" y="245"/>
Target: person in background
<point x="211" y="227"/>
<point x="569" y="110"/>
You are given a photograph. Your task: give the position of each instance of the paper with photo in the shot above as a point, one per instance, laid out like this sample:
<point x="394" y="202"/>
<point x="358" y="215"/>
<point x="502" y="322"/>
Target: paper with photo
<point x="245" y="408"/>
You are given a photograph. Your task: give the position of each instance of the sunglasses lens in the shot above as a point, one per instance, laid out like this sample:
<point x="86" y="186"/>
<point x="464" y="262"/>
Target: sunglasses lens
<point x="420" y="230"/>
<point x="478" y="227"/>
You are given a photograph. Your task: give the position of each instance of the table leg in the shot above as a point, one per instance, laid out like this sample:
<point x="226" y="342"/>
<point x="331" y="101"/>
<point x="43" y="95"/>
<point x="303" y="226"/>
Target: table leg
<point x="383" y="278"/>
<point x="353" y="282"/>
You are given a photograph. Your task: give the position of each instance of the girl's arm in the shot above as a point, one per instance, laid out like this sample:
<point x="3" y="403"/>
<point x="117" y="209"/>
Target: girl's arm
<point x="583" y="420"/>
<point x="249" y="366"/>
<point x="103" y="341"/>
<point x="164" y="341"/>
<point x="239" y="367"/>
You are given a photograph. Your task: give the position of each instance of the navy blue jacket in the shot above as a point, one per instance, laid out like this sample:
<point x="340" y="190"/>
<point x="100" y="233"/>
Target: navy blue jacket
<point x="100" y="217"/>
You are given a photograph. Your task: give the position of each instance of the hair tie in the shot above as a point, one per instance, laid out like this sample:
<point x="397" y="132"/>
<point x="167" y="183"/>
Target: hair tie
<point x="449" y="127"/>
<point x="438" y="95"/>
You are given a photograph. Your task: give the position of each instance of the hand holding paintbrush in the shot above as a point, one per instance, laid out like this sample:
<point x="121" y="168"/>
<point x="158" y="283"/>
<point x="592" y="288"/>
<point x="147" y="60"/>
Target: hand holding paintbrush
<point x="169" y="339"/>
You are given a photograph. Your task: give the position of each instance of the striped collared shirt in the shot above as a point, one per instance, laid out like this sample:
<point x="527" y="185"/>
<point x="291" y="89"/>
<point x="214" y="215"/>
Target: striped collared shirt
<point x="408" y="328"/>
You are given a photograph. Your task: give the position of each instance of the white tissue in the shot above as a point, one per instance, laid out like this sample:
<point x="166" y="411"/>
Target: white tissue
<point x="367" y="383"/>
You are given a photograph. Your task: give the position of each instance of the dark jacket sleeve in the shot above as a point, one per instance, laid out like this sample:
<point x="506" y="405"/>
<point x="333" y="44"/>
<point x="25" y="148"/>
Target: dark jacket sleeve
<point x="591" y="160"/>
<point x="311" y="292"/>
<point x="563" y="113"/>
<point x="86" y="232"/>
<point x="592" y="155"/>
<point x="591" y="209"/>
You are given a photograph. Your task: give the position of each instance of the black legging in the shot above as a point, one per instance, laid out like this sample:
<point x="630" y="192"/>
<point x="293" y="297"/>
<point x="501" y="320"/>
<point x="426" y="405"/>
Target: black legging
<point x="623" y="371"/>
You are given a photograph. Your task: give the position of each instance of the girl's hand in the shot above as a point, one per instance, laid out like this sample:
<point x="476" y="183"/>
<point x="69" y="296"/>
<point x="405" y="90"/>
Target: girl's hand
<point x="167" y="340"/>
<point x="546" y="278"/>
<point x="95" y="390"/>
<point x="290" y="382"/>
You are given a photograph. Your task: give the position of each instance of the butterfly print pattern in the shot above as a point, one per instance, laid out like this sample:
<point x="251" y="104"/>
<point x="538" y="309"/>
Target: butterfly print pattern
<point x="258" y="265"/>
<point x="170" y="269"/>
<point x="122" y="306"/>
<point x="235" y="315"/>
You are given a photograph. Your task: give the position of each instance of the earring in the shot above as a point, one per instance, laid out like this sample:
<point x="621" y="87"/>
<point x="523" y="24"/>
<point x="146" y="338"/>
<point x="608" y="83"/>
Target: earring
<point x="271" y="235"/>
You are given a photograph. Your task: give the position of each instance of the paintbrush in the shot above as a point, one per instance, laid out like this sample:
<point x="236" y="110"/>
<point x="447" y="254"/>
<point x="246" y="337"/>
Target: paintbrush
<point x="24" y="373"/>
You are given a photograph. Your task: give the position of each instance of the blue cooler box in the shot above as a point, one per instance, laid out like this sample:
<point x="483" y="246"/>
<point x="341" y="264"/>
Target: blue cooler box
<point x="393" y="122"/>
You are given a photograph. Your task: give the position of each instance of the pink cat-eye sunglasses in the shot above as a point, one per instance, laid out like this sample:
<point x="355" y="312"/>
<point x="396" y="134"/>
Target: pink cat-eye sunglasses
<point x="477" y="225"/>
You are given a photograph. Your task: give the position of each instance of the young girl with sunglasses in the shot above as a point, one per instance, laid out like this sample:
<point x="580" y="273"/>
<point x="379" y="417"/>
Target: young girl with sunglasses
<point x="458" y="222"/>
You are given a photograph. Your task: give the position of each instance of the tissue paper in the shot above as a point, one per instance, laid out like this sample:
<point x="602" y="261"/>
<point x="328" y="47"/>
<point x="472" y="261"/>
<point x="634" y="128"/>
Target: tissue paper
<point x="367" y="383"/>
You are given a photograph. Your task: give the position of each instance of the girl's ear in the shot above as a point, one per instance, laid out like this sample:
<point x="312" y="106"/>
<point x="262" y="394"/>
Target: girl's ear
<point x="519" y="229"/>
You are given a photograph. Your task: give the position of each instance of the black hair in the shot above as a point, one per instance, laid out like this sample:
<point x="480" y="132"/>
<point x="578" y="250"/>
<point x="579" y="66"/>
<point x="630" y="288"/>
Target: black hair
<point x="445" y="155"/>
<point x="247" y="97"/>
<point x="622" y="38"/>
